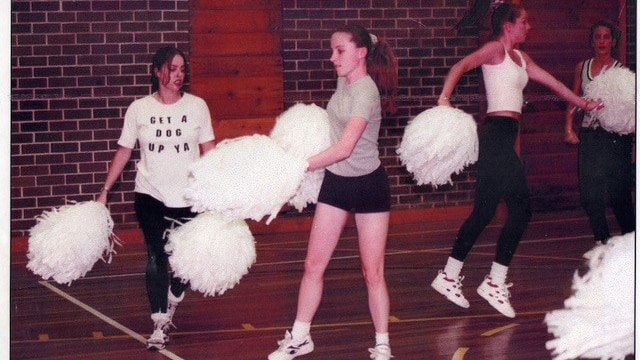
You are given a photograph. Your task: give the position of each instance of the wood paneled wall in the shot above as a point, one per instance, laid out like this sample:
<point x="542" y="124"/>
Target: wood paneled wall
<point x="236" y="63"/>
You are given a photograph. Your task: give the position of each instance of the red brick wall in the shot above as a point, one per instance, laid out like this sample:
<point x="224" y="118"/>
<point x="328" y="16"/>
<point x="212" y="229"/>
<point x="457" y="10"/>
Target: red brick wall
<point x="76" y="66"/>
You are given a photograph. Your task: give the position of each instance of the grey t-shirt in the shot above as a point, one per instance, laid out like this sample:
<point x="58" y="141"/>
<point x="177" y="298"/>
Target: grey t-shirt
<point x="359" y="99"/>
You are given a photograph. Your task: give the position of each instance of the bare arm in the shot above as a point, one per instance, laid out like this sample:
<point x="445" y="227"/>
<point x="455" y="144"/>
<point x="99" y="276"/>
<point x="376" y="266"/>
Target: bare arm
<point x="205" y="147"/>
<point x="343" y="148"/>
<point x="120" y="160"/>
<point x="569" y="135"/>
<point x="490" y="53"/>
<point x="536" y="73"/>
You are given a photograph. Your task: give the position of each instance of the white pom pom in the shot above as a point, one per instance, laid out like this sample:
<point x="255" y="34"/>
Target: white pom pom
<point x="213" y="254"/>
<point x="437" y="143"/>
<point x="616" y="88"/>
<point x="247" y="177"/>
<point x="304" y="130"/>
<point x="597" y="321"/>
<point x="66" y="242"/>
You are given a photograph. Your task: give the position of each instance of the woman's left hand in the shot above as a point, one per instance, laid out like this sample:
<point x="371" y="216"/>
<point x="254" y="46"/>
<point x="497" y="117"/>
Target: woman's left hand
<point x="591" y="105"/>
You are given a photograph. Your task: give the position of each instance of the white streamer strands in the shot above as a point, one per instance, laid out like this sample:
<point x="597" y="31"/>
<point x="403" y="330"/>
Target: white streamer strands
<point x="437" y="143"/>
<point x="303" y="131"/>
<point x="66" y="242"/>
<point x="248" y="177"/>
<point x="616" y="87"/>
<point x="598" y="319"/>
<point x="210" y="252"/>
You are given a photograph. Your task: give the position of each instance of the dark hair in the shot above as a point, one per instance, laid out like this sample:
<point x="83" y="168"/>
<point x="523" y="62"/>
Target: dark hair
<point x="164" y="56"/>
<point x="615" y="33"/>
<point x="382" y="64"/>
<point x="505" y="12"/>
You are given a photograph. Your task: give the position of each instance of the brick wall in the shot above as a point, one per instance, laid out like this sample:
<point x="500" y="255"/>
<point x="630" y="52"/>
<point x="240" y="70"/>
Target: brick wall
<point x="76" y="66"/>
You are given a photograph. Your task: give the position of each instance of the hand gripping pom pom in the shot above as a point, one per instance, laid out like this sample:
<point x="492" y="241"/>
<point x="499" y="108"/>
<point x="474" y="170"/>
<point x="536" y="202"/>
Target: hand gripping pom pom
<point x="213" y="254"/>
<point x="247" y="177"/>
<point x="616" y="88"/>
<point x="598" y="318"/>
<point x="303" y="131"/>
<point x="437" y="143"/>
<point x="67" y="241"/>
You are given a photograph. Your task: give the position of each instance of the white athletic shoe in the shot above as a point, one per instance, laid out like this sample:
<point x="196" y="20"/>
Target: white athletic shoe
<point x="172" y="305"/>
<point x="380" y="352"/>
<point x="450" y="288"/>
<point x="159" y="338"/>
<point x="497" y="295"/>
<point x="288" y="350"/>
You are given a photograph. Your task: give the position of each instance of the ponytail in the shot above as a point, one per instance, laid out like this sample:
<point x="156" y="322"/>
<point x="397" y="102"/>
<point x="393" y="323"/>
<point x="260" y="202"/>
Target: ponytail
<point x="382" y="66"/>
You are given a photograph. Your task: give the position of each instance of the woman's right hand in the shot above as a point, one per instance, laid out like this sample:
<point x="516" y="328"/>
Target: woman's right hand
<point x="570" y="137"/>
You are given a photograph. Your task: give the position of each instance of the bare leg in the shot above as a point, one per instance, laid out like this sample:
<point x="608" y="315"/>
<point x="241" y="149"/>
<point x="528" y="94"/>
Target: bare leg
<point x="372" y="235"/>
<point x="328" y="223"/>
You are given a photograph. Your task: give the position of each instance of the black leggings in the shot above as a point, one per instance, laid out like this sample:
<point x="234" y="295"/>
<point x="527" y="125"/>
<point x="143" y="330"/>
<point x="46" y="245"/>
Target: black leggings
<point x="153" y="217"/>
<point x="606" y="168"/>
<point x="500" y="176"/>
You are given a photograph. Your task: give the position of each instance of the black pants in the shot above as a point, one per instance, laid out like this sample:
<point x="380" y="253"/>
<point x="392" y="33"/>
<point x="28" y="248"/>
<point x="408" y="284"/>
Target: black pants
<point x="154" y="218"/>
<point x="500" y="176"/>
<point x="605" y="168"/>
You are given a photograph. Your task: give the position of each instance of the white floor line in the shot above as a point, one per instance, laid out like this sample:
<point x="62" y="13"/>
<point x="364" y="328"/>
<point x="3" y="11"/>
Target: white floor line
<point x="106" y="319"/>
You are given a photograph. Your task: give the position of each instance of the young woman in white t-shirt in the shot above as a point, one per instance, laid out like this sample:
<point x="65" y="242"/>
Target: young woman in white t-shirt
<point x="172" y="128"/>
<point x="355" y="181"/>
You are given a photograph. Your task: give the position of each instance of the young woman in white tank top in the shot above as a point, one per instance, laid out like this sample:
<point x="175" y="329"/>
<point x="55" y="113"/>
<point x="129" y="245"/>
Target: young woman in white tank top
<point x="605" y="166"/>
<point x="500" y="171"/>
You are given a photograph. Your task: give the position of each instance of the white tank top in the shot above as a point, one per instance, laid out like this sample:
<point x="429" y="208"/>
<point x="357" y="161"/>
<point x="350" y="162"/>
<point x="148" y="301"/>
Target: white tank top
<point x="504" y="83"/>
<point x="589" y="119"/>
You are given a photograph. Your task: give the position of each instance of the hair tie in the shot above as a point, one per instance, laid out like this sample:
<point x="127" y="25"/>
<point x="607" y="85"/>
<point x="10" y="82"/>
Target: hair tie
<point x="374" y="39"/>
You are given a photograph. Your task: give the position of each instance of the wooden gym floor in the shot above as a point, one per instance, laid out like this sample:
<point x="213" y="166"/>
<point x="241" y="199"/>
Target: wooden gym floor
<point x="105" y="315"/>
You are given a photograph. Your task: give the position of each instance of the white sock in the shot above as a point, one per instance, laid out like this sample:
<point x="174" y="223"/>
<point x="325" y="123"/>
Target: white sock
<point x="453" y="268"/>
<point x="300" y="330"/>
<point x="382" y="338"/>
<point x="498" y="273"/>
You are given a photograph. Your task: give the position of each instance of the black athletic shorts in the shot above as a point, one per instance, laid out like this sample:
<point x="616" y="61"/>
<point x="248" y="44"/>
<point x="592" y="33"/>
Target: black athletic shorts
<point x="361" y="194"/>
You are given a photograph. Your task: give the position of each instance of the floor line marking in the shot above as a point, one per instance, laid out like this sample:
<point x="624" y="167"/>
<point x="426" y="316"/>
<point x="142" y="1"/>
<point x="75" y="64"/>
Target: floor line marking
<point x="459" y="354"/>
<point x="499" y="329"/>
<point x="105" y="318"/>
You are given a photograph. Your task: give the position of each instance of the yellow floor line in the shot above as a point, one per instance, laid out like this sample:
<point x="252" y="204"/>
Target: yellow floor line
<point x="459" y="354"/>
<point x="500" y="329"/>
